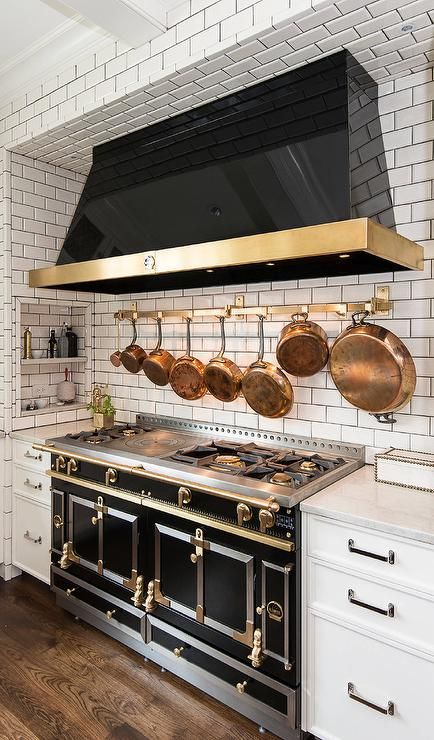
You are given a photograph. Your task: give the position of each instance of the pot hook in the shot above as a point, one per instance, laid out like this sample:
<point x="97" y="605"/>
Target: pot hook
<point x="223" y="336"/>
<point x="261" y="318"/>
<point x="386" y="417"/>
<point x="360" y="322"/>
<point x="159" y="335"/>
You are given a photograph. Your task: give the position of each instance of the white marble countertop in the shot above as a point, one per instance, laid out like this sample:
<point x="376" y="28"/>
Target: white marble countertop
<point x="39" y="435"/>
<point x="358" y="499"/>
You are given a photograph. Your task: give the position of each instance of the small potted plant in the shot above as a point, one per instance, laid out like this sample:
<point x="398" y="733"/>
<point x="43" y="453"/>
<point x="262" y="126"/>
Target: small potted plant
<point x="102" y="409"/>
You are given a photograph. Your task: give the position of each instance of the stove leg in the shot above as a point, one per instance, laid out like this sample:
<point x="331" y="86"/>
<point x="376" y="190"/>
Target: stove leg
<point x="162" y="670"/>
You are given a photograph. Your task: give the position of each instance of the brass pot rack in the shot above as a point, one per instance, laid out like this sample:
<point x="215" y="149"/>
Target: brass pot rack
<point x="378" y="305"/>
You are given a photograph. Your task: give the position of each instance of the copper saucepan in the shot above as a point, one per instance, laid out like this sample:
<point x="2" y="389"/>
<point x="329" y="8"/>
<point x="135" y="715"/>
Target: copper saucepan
<point x="372" y="368"/>
<point x="302" y="349"/>
<point x="222" y="376"/>
<point x="115" y="357"/>
<point x="186" y="375"/>
<point x="132" y="357"/>
<point x="158" y="363"/>
<point x="266" y="389"/>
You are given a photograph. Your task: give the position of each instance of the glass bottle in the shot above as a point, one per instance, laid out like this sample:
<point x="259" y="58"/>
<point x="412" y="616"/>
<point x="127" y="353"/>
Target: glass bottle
<point x="72" y="342"/>
<point x="63" y="341"/>
<point x="52" y="344"/>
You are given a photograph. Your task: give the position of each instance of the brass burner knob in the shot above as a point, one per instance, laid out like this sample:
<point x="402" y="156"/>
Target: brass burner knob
<point x="178" y="652"/>
<point x="111" y="476"/>
<point x="266" y="520"/>
<point x="244" y="513"/>
<point x="57" y="521"/>
<point x="194" y="558"/>
<point x="241" y="685"/>
<point x="72" y="466"/>
<point x="94" y="520"/>
<point x="109" y="613"/>
<point x="184" y="496"/>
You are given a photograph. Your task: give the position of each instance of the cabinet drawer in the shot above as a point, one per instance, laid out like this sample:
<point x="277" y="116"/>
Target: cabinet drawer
<point x="404" y="617"/>
<point x="24" y="454"/>
<point x="256" y="695"/>
<point x="32" y="484"/>
<point x="97" y="603"/>
<point x="31" y="537"/>
<point x="392" y="558"/>
<point x="341" y="661"/>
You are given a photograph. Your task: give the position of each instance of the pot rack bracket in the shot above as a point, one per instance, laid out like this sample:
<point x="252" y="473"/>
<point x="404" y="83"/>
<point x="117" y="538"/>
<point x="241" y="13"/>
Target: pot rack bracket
<point x="378" y="305"/>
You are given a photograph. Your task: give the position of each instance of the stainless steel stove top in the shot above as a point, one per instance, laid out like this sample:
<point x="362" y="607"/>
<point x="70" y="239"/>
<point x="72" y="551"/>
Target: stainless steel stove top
<point x="232" y="458"/>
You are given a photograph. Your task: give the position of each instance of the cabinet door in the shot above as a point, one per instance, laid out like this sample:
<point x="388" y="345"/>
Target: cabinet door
<point x="31" y="537"/>
<point x="278" y="611"/>
<point x="84" y="532"/>
<point x="175" y="573"/>
<point x="120" y="543"/>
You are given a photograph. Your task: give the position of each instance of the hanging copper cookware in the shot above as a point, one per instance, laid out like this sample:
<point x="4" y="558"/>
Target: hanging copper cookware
<point x="158" y="363"/>
<point x="115" y="357"/>
<point x="132" y="357"/>
<point x="186" y="375"/>
<point x="372" y="368"/>
<point x="266" y="389"/>
<point x="302" y="349"/>
<point x="222" y="376"/>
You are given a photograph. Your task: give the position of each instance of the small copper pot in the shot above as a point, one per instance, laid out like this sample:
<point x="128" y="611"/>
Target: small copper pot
<point x="222" y="376"/>
<point x="115" y="357"/>
<point x="186" y="375"/>
<point x="158" y="363"/>
<point x="132" y="357"/>
<point x="302" y="349"/>
<point x="266" y="389"/>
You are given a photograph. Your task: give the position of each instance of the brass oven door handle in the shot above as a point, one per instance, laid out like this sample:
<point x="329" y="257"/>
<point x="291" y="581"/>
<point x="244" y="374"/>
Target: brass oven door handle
<point x="390" y="709"/>
<point x="35" y="540"/>
<point x="389" y="612"/>
<point x="35" y="486"/>
<point x="389" y="558"/>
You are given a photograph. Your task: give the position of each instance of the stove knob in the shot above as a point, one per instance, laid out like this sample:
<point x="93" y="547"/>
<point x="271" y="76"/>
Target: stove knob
<point x="72" y="466"/>
<point x="244" y="514"/>
<point x="184" y="496"/>
<point x="111" y="476"/>
<point x="60" y="463"/>
<point x="266" y="520"/>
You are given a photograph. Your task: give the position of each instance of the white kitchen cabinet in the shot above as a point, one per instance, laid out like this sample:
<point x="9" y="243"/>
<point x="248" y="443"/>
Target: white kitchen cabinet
<point x="368" y="638"/>
<point x="31" y="511"/>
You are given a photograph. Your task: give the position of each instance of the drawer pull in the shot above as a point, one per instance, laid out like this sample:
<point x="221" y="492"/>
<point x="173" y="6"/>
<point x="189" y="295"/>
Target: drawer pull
<point x="241" y="686"/>
<point x="32" y="457"/>
<point x="109" y="613"/>
<point x="36" y="541"/>
<point x="29" y="484"/>
<point x="57" y="521"/>
<point x="178" y="651"/>
<point x="390" y="709"/>
<point x="389" y="558"/>
<point x="389" y="612"/>
<point x="69" y="591"/>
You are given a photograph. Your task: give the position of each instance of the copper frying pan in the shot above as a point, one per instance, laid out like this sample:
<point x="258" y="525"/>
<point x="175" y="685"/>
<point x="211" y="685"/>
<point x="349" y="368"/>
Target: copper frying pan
<point x="186" y="375"/>
<point x="372" y="368"/>
<point x="222" y="376"/>
<point x="158" y="363"/>
<point x="302" y="349"/>
<point x="115" y="357"/>
<point x="266" y="389"/>
<point x="132" y="357"/>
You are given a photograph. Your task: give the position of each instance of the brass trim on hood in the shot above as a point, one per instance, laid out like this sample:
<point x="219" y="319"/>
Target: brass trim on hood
<point x="355" y="235"/>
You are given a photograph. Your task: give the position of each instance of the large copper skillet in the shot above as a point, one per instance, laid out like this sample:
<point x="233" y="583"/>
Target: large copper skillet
<point x="302" y="349"/>
<point x="132" y="357"/>
<point x="266" y="389"/>
<point x="186" y="375"/>
<point x="222" y="376"/>
<point x="372" y="368"/>
<point x="159" y="362"/>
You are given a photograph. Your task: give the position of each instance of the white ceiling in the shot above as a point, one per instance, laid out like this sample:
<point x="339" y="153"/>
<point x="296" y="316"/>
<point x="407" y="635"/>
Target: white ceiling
<point x="39" y="35"/>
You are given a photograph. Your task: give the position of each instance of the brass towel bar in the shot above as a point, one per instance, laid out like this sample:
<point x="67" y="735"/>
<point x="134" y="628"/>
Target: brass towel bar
<point x="379" y="305"/>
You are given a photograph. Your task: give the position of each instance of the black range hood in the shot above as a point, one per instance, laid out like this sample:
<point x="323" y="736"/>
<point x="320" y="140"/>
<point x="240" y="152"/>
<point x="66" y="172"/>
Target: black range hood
<point x="273" y="174"/>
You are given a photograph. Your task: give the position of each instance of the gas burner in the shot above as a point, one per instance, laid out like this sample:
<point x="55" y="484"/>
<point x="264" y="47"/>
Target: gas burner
<point x="149" y="441"/>
<point x="308" y="465"/>
<point x="94" y="438"/>
<point x="232" y="461"/>
<point x="281" y="479"/>
<point x="127" y="430"/>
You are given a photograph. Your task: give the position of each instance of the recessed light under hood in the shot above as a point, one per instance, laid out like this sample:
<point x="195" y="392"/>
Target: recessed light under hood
<point x="276" y="181"/>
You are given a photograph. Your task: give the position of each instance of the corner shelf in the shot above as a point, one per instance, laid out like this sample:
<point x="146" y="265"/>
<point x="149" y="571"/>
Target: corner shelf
<point x="52" y="360"/>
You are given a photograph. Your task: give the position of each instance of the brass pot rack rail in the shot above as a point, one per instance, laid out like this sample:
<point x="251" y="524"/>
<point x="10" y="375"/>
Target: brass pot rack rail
<point x="378" y="305"/>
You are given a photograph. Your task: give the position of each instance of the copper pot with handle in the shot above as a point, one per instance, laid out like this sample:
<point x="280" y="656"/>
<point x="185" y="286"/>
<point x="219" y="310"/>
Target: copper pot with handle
<point x="186" y="374"/>
<point x="132" y="357"/>
<point x="302" y="349"/>
<point x="265" y="387"/>
<point x="158" y="363"/>
<point x="372" y="368"/>
<point x="222" y="376"/>
<point x="115" y="357"/>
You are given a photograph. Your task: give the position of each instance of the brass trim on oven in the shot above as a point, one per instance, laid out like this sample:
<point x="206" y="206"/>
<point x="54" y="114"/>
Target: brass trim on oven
<point x="131" y="582"/>
<point x="68" y="556"/>
<point x="246" y="638"/>
<point x="158" y="596"/>
<point x="180" y="513"/>
<point x="269" y="504"/>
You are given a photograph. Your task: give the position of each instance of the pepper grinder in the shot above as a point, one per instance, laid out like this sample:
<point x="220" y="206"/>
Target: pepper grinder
<point x="27" y="352"/>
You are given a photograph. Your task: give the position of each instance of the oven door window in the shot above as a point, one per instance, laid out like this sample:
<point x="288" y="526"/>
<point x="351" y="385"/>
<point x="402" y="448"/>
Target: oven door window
<point x="83" y="531"/>
<point x="119" y="544"/>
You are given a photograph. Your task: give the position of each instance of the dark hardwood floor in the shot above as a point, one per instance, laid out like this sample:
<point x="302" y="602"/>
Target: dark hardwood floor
<point x="64" y="680"/>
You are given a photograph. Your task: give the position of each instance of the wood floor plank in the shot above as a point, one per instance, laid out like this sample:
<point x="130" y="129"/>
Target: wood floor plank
<point x="62" y="679"/>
